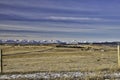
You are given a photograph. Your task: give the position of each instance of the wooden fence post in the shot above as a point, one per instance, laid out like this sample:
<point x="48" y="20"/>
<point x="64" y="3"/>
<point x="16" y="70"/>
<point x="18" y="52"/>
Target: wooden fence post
<point x="118" y="48"/>
<point x="1" y="62"/>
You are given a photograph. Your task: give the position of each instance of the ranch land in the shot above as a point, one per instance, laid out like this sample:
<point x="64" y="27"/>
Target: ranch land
<point x="59" y="58"/>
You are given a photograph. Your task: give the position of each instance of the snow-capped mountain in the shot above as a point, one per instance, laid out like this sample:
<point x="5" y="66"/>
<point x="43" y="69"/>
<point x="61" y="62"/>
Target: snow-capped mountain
<point x="52" y="42"/>
<point x="32" y="41"/>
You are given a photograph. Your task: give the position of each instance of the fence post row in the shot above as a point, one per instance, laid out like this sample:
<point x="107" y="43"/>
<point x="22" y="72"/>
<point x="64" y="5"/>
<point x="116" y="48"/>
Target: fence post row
<point x="118" y="48"/>
<point x="1" y="62"/>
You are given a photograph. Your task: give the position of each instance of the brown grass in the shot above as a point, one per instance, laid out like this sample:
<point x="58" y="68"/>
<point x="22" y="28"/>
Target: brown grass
<point x="40" y="58"/>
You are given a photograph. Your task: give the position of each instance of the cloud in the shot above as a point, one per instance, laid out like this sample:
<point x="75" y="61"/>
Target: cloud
<point x="73" y="18"/>
<point x="37" y="28"/>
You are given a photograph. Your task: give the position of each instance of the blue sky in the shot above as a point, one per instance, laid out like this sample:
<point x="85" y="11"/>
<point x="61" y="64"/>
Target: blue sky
<point x="82" y="20"/>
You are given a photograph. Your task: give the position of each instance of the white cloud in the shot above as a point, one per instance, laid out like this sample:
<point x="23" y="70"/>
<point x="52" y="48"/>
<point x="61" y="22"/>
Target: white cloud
<point x="44" y="28"/>
<point x="73" y="18"/>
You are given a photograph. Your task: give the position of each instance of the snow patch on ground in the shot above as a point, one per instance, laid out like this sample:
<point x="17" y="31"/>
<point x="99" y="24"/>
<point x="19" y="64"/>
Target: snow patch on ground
<point x="53" y="75"/>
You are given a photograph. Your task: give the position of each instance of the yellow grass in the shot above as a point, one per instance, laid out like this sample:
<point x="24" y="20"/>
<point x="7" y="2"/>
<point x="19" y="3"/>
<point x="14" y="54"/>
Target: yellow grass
<point x="50" y="58"/>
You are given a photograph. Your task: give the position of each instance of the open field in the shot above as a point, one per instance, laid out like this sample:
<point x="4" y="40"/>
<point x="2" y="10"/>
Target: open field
<point x="57" y="59"/>
<point x="85" y="62"/>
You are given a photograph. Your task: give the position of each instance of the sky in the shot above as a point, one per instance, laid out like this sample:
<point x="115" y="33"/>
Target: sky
<point x="82" y="20"/>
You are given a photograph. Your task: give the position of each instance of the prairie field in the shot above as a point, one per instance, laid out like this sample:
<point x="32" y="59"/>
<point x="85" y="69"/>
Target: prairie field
<point x="49" y="58"/>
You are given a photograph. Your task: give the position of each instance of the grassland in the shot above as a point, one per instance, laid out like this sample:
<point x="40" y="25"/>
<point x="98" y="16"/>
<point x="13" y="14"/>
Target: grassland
<point x="56" y="59"/>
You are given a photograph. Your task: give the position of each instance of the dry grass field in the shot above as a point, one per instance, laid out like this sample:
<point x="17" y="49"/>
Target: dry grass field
<point x="56" y="59"/>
